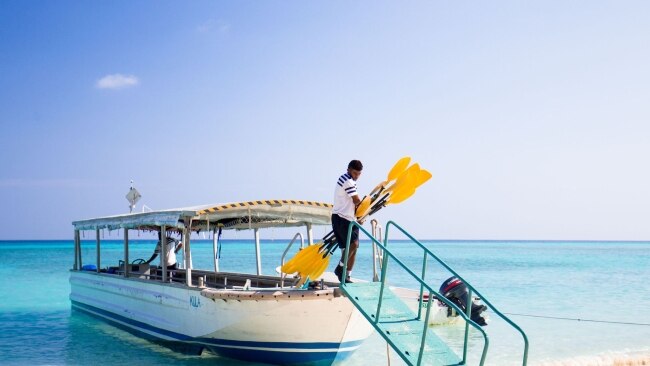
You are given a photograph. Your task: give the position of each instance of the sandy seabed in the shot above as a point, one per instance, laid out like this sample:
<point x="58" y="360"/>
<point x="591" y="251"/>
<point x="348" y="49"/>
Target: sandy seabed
<point x="608" y="359"/>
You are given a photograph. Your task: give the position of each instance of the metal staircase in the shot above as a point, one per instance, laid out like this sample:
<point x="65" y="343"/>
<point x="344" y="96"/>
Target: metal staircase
<point x="405" y="331"/>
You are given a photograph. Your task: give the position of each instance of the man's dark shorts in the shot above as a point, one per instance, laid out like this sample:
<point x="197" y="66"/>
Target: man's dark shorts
<point x="340" y="227"/>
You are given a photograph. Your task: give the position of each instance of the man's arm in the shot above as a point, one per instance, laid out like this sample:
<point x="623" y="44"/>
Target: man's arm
<point x="356" y="200"/>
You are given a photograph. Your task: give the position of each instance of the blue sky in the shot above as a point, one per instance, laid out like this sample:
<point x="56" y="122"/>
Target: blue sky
<point x="532" y="116"/>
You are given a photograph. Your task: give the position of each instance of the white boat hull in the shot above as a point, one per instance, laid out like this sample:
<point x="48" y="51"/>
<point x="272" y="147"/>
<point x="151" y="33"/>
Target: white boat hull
<point x="282" y="330"/>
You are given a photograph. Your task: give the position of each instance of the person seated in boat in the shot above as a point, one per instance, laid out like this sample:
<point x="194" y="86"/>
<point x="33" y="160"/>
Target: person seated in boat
<point x="172" y="247"/>
<point x="346" y="199"/>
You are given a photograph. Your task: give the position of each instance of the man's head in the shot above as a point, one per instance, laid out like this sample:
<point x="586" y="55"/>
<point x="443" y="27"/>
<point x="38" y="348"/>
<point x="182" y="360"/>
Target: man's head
<point x="354" y="169"/>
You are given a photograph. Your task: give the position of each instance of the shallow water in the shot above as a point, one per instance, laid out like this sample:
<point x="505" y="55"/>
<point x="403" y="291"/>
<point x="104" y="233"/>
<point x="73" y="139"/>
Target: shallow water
<point x="577" y="280"/>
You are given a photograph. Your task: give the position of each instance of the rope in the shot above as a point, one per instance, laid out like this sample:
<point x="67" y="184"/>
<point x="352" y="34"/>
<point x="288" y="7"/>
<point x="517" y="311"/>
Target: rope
<point x="388" y="353"/>
<point x="579" y="320"/>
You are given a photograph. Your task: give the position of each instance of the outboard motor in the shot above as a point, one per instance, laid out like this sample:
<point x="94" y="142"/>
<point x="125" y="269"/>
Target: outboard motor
<point x="456" y="291"/>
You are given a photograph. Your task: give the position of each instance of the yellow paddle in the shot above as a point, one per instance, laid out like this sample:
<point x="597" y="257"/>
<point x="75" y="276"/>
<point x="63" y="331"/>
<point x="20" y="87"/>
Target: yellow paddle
<point x="400" y="196"/>
<point x="393" y="174"/>
<point x="319" y="270"/>
<point x="313" y="268"/>
<point x="403" y="194"/>
<point x="293" y="265"/>
<point x="363" y="206"/>
<point x="423" y="177"/>
<point x="307" y="264"/>
<point x="302" y="261"/>
<point x="405" y="180"/>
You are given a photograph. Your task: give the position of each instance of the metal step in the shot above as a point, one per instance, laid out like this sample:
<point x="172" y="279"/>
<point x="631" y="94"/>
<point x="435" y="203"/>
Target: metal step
<point x="399" y="325"/>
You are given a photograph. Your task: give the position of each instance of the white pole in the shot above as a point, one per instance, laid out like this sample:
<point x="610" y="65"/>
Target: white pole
<point x="310" y="234"/>
<point x="77" y="265"/>
<point x="163" y="252"/>
<point x="126" y="252"/>
<point x="257" y="251"/>
<point x="375" y="276"/>
<point x="78" y="239"/>
<point x="98" y="251"/>
<point x="187" y="232"/>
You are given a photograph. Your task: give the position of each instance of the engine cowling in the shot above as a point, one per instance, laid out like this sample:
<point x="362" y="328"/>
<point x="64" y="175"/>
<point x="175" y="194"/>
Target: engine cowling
<point x="456" y="291"/>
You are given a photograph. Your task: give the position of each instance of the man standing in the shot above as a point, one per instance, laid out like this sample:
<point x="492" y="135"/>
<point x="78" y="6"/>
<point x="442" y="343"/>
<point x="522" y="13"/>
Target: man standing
<point x="172" y="247"/>
<point x="346" y="199"/>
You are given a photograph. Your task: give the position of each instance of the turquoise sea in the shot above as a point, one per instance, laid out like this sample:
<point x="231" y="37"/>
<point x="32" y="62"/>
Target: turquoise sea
<point x="604" y="284"/>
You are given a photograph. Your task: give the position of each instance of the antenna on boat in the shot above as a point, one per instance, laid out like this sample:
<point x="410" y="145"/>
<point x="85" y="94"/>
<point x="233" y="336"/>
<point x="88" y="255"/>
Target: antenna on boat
<point x="133" y="197"/>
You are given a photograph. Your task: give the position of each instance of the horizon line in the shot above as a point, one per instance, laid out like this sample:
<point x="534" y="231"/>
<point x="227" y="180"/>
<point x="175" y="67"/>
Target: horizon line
<point x="365" y="240"/>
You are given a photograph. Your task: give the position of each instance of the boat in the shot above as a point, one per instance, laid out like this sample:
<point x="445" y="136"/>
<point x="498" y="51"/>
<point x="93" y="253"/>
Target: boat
<point x="245" y="316"/>
<point x="251" y="317"/>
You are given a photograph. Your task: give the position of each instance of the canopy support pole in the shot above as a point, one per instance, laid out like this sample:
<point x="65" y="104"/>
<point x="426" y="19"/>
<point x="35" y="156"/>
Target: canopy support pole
<point x="77" y="265"/>
<point x="79" y="245"/>
<point x="126" y="252"/>
<point x="257" y="252"/>
<point x="310" y="235"/>
<point x="163" y="252"/>
<point x="187" y="232"/>
<point x="98" y="251"/>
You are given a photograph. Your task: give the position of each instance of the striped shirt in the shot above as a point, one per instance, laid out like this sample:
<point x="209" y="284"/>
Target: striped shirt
<point x="345" y="189"/>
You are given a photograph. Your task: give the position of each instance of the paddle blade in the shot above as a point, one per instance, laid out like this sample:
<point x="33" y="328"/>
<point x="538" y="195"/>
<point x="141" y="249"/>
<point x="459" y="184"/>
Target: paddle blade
<point x="313" y="270"/>
<point x="423" y="177"/>
<point x="318" y="271"/>
<point x="363" y="207"/>
<point x="407" y="190"/>
<point x="406" y="179"/>
<point x="393" y="174"/>
<point x="294" y="264"/>
<point x="413" y="169"/>
<point x="401" y="196"/>
<point x="290" y="265"/>
<point x="304" y="264"/>
<point x="398" y="168"/>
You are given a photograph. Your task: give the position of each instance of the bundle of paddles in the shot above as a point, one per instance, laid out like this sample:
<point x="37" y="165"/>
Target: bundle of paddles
<point x="401" y="183"/>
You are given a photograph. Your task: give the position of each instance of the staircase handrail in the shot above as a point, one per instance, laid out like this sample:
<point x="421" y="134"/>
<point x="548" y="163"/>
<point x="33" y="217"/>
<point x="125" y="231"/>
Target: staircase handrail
<point x="472" y="289"/>
<point x="431" y="291"/>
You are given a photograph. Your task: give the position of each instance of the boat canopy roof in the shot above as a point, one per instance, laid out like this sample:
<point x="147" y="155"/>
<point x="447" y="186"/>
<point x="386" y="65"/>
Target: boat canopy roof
<point x="236" y="215"/>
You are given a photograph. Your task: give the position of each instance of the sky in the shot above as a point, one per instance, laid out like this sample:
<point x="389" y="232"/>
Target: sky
<point x="533" y="117"/>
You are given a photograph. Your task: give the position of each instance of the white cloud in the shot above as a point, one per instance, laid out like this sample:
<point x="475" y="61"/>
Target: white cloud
<point x="117" y="81"/>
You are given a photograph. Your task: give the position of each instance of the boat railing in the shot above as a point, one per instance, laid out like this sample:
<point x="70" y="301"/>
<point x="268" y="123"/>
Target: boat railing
<point x="286" y="250"/>
<point x="471" y="291"/>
